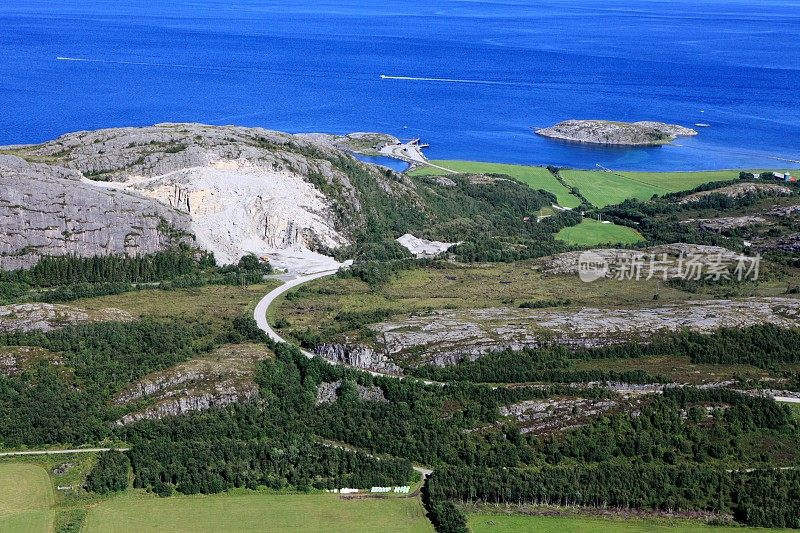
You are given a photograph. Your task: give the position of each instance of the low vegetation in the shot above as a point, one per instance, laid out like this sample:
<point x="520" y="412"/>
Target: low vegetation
<point x="252" y="512"/>
<point x="591" y="232"/>
<point x="534" y="177"/>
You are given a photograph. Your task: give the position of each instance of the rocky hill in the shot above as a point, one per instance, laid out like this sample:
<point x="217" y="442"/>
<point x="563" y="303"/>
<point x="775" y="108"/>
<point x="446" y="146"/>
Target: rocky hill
<point x="234" y="190"/>
<point x="230" y="190"/>
<point x="52" y="210"/>
<point x="616" y="133"/>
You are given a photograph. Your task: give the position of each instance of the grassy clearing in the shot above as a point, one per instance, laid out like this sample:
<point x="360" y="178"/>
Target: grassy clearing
<point x="795" y="407"/>
<point x="219" y="301"/>
<point x="256" y="512"/>
<point x="28" y="522"/>
<point x="457" y="287"/>
<point x="26" y="497"/>
<point x="591" y="233"/>
<point x="534" y="177"/>
<point x="678" y="369"/>
<point x="607" y="188"/>
<point x="24" y="487"/>
<point x="496" y="523"/>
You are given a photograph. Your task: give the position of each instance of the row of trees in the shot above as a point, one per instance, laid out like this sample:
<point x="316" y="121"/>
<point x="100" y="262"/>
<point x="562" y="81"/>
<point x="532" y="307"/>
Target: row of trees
<point x="763" y="498"/>
<point x="62" y="279"/>
<point x="211" y="466"/>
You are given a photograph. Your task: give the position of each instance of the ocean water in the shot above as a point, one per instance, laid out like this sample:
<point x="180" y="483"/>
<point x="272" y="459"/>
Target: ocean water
<point x="493" y="70"/>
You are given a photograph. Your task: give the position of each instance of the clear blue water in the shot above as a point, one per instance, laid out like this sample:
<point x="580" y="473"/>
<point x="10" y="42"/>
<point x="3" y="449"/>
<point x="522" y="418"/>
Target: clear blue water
<point x="304" y="66"/>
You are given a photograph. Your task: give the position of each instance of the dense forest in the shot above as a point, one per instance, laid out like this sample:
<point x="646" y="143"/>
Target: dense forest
<point x="62" y="279"/>
<point x="763" y="346"/>
<point x="762" y="498"/>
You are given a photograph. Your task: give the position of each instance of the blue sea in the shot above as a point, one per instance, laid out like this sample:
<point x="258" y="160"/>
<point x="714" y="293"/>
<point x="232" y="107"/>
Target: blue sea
<point x="469" y="77"/>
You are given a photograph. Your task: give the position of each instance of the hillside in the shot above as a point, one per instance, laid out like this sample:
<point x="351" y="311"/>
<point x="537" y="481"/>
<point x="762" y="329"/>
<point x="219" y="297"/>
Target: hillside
<point x="230" y="190"/>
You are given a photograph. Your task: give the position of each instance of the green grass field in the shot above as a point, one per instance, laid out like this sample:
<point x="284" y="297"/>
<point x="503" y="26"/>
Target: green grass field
<point x="26" y="497"/>
<point x="591" y="233"/>
<point x="606" y="188"/>
<point x="496" y="523"/>
<point x="256" y="512"/>
<point x="218" y="301"/>
<point x="534" y="177"/>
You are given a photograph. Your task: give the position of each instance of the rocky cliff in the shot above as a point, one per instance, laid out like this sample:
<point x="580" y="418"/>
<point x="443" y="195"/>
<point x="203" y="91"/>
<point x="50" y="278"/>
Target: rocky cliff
<point x="616" y="133"/>
<point x="237" y="190"/>
<point x="52" y="210"/>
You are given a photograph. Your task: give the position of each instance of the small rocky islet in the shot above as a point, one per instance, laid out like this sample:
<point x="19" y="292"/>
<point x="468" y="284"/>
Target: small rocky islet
<point x="643" y="133"/>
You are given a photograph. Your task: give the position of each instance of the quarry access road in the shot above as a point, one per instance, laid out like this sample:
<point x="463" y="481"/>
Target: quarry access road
<point x="260" y="316"/>
<point x="260" y="312"/>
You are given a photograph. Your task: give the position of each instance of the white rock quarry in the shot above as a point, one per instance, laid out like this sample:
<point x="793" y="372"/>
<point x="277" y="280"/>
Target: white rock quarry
<point x="423" y="247"/>
<point x="237" y="207"/>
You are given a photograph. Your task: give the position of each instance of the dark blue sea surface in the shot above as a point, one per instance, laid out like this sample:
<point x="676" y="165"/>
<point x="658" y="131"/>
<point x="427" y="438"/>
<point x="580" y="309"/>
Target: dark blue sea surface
<point x="504" y="66"/>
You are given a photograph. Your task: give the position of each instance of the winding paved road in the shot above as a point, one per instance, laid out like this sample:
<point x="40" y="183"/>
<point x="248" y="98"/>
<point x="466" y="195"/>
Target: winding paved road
<point x="260" y="312"/>
<point x="260" y="316"/>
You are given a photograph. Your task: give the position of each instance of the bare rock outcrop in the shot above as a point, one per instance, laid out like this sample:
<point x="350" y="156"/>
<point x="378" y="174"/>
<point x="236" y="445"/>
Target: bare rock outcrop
<point x="723" y="224"/>
<point x="49" y="210"/>
<point x="328" y="392"/>
<point x="449" y="336"/>
<point x="16" y="359"/>
<point x="238" y="190"/>
<point x="46" y="317"/>
<point x="739" y="190"/>
<point x="645" y="133"/>
<point x="221" y="378"/>
<point x="568" y="263"/>
<point x="358" y="356"/>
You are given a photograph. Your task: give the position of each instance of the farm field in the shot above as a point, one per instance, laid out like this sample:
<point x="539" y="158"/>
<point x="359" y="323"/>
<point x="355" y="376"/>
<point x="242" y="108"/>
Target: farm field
<point x="497" y="523"/>
<point x="26" y="496"/>
<point x="256" y="512"/>
<point x="590" y="232"/>
<point x="534" y="177"/>
<point x="608" y="188"/>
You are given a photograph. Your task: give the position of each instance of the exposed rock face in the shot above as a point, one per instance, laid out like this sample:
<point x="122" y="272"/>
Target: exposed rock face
<point x="328" y="392"/>
<point x="448" y="337"/>
<point x="219" y="379"/>
<point x="239" y="190"/>
<point x="790" y="243"/>
<point x="739" y="190"/>
<point x="541" y="416"/>
<point x="16" y="359"/>
<point x="616" y="133"/>
<point x="786" y="211"/>
<point x="46" y="317"/>
<point x="723" y="224"/>
<point x="358" y="357"/>
<point x="422" y="248"/>
<point x="46" y="210"/>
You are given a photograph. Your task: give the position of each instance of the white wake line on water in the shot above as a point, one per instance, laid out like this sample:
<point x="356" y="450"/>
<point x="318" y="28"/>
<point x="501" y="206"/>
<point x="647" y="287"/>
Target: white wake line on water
<point x="139" y="63"/>
<point x="449" y="80"/>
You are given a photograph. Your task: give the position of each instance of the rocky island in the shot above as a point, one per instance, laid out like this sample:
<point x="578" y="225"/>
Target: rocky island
<point x="642" y="133"/>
